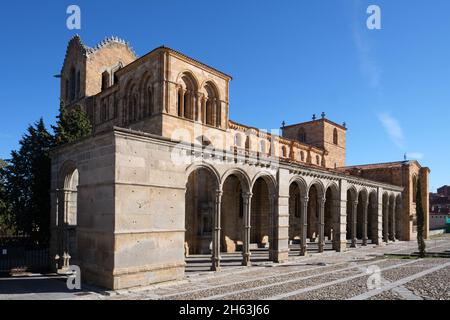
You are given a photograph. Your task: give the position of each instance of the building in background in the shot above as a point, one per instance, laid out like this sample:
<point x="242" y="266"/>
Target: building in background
<point x="440" y="208"/>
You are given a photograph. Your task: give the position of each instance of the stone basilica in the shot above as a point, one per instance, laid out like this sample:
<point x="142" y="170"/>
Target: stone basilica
<point x="166" y="174"/>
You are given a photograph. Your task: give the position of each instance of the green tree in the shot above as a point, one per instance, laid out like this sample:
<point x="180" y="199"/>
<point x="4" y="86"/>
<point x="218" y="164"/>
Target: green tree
<point x="6" y="219"/>
<point x="27" y="181"/>
<point x="71" y="125"/>
<point x="420" y="220"/>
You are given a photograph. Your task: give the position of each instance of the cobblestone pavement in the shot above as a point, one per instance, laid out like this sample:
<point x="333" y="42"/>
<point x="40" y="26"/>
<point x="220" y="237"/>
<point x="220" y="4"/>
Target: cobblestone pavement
<point x="360" y="273"/>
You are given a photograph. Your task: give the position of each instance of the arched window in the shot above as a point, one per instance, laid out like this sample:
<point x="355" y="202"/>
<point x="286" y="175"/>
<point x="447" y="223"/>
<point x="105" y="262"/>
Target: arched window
<point x="247" y="143"/>
<point x="335" y="137"/>
<point x="302" y="135"/>
<point x="302" y="156"/>
<point x="284" y="151"/>
<point x="132" y="100"/>
<point x="318" y="160"/>
<point x="212" y="105"/>
<point x="186" y="97"/>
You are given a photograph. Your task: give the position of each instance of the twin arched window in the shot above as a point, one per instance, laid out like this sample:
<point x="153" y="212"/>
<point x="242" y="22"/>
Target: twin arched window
<point x="191" y="105"/>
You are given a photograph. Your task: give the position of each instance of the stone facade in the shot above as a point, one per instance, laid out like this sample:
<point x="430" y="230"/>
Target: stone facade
<point x="166" y="174"/>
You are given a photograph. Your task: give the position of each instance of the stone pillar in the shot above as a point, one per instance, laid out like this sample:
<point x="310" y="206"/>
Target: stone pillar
<point x="279" y="244"/>
<point x="197" y="107"/>
<point x="321" y="223"/>
<point x="247" y="199"/>
<point x="214" y="110"/>
<point x="303" y="226"/>
<point x="342" y="223"/>
<point x="379" y="237"/>
<point x="354" y="223"/>
<point x="392" y="221"/>
<point x="216" y="235"/>
<point x="203" y="110"/>
<point x="272" y="231"/>
<point x="182" y="102"/>
<point x="365" y="221"/>
<point x="385" y="222"/>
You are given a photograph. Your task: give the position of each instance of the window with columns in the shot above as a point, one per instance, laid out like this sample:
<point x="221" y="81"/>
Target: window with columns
<point x="202" y="105"/>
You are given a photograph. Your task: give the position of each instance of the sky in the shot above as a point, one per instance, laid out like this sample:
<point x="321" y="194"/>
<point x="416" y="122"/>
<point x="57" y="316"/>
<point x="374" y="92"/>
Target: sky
<point x="289" y="60"/>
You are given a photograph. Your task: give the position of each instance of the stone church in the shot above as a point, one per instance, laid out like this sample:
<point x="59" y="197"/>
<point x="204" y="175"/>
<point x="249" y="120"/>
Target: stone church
<point x="166" y="174"/>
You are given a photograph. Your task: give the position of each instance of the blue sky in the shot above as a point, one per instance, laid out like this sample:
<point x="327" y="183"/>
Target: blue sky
<point x="289" y="59"/>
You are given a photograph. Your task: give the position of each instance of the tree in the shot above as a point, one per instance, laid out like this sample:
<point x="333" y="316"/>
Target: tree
<point x="6" y="219"/>
<point x="420" y="220"/>
<point x="27" y="181"/>
<point x="71" y="125"/>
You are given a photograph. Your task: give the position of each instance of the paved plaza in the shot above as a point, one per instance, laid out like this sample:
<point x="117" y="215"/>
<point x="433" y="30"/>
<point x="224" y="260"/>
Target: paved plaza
<point x="361" y="273"/>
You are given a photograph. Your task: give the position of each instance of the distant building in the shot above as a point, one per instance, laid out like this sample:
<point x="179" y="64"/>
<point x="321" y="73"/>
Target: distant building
<point x="440" y="208"/>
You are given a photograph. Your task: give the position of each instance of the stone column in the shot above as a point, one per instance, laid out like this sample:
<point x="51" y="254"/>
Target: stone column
<point x="321" y="223"/>
<point x="197" y="108"/>
<point x="203" y="110"/>
<point x="354" y="223"/>
<point x="247" y="199"/>
<point x="214" y="110"/>
<point x="365" y="222"/>
<point x="272" y="231"/>
<point x="303" y="225"/>
<point x="379" y="221"/>
<point x="385" y="222"/>
<point x="216" y="235"/>
<point x="392" y="221"/>
<point x="182" y="102"/>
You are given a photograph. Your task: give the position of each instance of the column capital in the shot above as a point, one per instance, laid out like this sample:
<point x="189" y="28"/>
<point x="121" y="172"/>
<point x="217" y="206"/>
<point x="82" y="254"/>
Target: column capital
<point x="247" y="195"/>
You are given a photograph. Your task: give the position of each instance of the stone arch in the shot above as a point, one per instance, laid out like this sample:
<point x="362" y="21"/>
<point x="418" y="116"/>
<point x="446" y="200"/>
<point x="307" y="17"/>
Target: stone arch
<point x="202" y="187"/>
<point x="69" y="180"/>
<point x="263" y="212"/>
<point x="316" y="194"/>
<point x="363" y="197"/>
<point x="332" y="215"/>
<point x="303" y="186"/>
<point x="297" y="220"/>
<point x="319" y="185"/>
<point x="235" y="187"/>
<point x="241" y="175"/>
<point x="203" y="165"/>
